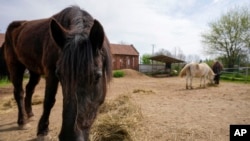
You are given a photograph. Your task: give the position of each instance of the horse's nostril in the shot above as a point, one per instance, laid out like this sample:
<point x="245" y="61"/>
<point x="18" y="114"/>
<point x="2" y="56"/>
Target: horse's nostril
<point x="98" y="74"/>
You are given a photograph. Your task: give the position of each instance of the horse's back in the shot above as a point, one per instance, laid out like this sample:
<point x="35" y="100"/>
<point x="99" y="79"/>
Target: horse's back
<point x="11" y="32"/>
<point x="187" y="69"/>
<point x="205" y="69"/>
<point x="203" y="66"/>
<point x="195" y="70"/>
<point x="25" y="41"/>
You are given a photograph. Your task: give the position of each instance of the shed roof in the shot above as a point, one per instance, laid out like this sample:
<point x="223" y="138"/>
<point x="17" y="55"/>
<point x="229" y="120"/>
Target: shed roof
<point x="122" y="49"/>
<point x="166" y="59"/>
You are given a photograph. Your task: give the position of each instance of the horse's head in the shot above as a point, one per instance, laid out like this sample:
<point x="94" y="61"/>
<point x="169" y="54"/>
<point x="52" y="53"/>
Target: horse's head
<point x="83" y="69"/>
<point x="211" y="76"/>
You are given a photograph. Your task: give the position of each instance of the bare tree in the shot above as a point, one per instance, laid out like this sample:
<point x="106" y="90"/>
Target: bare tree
<point x="163" y="52"/>
<point x="193" y="58"/>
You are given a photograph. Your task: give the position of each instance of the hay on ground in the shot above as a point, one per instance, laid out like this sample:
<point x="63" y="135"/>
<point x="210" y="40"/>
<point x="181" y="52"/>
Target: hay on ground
<point x="37" y="100"/>
<point x="117" y="120"/>
<point x="142" y="91"/>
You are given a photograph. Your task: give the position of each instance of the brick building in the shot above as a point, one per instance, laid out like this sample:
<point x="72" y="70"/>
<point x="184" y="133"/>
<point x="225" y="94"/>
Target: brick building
<point x="124" y="57"/>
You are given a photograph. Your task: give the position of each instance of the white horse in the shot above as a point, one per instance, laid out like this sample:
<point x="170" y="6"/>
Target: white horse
<point x="201" y="70"/>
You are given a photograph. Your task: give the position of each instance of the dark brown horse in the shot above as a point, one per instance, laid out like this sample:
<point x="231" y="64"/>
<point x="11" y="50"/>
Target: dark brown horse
<point x="217" y="68"/>
<point x="70" y="48"/>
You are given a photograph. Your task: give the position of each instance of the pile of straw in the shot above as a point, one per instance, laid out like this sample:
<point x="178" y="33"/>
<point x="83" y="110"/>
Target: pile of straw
<point x="117" y="120"/>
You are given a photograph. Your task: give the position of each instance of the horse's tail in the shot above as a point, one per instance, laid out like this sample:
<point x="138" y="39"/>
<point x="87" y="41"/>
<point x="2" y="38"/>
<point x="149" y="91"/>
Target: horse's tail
<point x="3" y="67"/>
<point x="184" y="70"/>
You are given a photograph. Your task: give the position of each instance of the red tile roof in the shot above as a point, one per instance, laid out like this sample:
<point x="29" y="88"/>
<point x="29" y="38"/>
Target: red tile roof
<point x="121" y="49"/>
<point x="1" y="39"/>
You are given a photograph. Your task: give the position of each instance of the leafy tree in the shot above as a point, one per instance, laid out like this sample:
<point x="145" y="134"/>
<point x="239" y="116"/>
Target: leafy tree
<point x="229" y="37"/>
<point x="145" y="59"/>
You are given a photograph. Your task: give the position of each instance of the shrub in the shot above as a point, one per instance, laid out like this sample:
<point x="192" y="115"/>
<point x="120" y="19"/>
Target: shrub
<point x="118" y="73"/>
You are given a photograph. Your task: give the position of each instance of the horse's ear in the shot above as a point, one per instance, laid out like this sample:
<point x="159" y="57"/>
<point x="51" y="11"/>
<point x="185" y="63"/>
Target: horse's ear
<point x="96" y="35"/>
<point x="58" y="33"/>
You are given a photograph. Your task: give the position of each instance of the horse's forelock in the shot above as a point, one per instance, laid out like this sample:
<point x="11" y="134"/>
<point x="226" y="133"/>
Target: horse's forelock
<point x="77" y="60"/>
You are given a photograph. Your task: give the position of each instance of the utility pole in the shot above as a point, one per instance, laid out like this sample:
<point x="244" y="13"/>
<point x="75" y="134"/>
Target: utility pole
<point x="153" y="46"/>
<point x="175" y="52"/>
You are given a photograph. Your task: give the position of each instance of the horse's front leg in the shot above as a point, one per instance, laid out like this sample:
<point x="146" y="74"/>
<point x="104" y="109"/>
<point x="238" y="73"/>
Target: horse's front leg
<point x="201" y="81"/>
<point x="204" y="82"/>
<point x="191" y="81"/>
<point x="49" y="101"/>
<point x="186" y="82"/>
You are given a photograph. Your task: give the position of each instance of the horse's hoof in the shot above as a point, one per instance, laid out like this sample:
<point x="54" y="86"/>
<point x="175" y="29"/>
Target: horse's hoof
<point x="24" y="127"/>
<point x="43" y="138"/>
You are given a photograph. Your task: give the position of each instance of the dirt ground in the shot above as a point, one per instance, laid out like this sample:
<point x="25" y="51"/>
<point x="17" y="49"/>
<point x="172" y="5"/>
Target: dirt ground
<point x="170" y="112"/>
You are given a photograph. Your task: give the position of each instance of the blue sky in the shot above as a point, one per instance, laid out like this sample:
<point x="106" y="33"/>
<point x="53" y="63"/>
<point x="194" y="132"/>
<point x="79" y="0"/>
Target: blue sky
<point x="174" y="25"/>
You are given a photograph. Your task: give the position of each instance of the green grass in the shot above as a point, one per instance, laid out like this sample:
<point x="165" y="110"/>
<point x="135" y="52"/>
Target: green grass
<point x="118" y="73"/>
<point x="236" y="77"/>
<point x="4" y="82"/>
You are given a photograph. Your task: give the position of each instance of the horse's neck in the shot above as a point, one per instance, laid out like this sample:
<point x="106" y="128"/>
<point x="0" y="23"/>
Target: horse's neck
<point x="210" y="72"/>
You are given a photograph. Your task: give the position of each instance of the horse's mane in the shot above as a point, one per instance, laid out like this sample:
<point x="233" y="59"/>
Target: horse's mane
<point x="210" y="71"/>
<point x="77" y="58"/>
<point x="217" y="67"/>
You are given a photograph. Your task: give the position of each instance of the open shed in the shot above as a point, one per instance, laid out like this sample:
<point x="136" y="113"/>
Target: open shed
<point x="167" y="60"/>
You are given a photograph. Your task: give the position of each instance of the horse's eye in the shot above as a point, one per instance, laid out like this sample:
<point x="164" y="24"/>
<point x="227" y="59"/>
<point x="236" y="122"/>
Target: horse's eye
<point x="57" y="73"/>
<point x="98" y="74"/>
